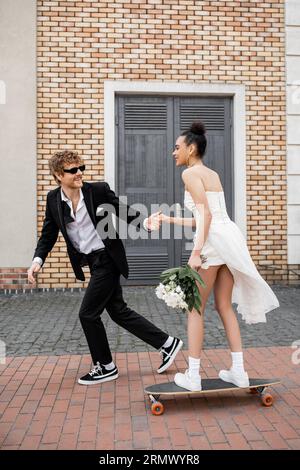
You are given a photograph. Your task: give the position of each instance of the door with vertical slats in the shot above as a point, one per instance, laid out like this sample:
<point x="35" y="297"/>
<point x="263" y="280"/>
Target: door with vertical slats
<point x="145" y="175"/>
<point x="216" y="115"/>
<point x="146" y="130"/>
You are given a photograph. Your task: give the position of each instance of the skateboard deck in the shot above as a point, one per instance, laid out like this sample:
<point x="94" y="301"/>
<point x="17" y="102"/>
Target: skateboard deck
<point x="257" y="386"/>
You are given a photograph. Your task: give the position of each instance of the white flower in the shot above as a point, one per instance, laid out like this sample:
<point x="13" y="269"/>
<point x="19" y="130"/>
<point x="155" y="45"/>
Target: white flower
<point x="175" y="299"/>
<point x="172" y="294"/>
<point x="171" y="300"/>
<point x="160" y="291"/>
<point x="168" y="287"/>
<point x="170" y="290"/>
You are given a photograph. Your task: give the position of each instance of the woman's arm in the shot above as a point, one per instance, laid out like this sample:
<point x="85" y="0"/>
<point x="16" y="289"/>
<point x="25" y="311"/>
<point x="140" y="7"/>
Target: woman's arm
<point x="186" y="221"/>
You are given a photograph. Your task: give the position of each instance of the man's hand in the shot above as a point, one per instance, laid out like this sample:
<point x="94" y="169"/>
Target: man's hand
<point x="34" y="268"/>
<point x="153" y="222"/>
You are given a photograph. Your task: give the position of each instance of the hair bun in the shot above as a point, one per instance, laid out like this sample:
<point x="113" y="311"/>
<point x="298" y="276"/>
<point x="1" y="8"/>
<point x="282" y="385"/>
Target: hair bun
<point x="198" y="128"/>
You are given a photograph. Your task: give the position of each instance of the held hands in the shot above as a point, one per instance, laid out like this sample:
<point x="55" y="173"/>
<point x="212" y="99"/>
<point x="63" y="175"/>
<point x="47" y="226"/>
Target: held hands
<point x="153" y="222"/>
<point x="34" y="268"/>
<point x="164" y="218"/>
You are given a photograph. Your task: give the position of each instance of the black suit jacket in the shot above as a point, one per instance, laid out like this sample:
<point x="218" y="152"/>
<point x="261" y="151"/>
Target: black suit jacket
<point x="95" y="195"/>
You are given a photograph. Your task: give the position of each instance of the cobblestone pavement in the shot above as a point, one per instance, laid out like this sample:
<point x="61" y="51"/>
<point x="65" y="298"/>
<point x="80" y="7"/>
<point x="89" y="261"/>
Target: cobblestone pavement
<point x="42" y="407"/>
<point x="47" y="323"/>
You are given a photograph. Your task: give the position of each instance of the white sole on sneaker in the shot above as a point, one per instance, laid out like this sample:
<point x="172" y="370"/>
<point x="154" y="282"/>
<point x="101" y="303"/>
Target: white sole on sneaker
<point x="176" y="350"/>
<point x="183" y="381"/>
<point x="100" y="381"/>
<point x="227" y="376"/>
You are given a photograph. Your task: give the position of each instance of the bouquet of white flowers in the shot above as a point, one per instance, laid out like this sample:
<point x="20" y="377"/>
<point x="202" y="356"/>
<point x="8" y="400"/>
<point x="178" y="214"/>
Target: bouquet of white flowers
<point x="178" y="288"/>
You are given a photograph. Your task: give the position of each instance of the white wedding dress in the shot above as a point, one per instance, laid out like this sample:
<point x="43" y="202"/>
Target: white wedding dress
<point x="225" y="244"/>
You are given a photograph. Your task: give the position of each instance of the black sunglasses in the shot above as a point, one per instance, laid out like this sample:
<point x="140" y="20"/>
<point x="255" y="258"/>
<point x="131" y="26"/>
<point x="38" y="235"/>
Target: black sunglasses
<point x="75" y="169"/>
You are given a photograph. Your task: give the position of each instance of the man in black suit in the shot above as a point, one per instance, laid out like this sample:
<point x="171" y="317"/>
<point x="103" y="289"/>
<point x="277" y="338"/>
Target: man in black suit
<point x="72" y="209"/>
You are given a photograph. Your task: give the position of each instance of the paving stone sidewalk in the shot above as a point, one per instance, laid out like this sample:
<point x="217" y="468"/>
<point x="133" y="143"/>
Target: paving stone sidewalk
<point x="47" y="323"/>
<point x="42" y="407"/>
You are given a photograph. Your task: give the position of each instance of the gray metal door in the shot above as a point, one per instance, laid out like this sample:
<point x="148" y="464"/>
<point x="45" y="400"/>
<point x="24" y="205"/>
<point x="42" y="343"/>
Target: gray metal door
<point x="146" y="130"/>
<point x="216" y="114"/>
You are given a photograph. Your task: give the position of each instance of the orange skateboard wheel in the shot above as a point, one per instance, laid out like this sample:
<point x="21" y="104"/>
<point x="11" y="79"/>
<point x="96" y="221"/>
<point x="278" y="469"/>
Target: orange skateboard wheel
<point x="267" y="399"/>
<point x="157" y="408"/>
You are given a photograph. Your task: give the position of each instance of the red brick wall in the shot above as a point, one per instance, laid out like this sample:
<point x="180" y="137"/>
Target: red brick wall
<point x="13" y="278"/>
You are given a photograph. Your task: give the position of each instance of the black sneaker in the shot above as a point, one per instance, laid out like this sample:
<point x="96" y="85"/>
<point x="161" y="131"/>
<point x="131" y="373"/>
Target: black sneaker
<point x="169" y="354"/>
<point x="98" y="375"/>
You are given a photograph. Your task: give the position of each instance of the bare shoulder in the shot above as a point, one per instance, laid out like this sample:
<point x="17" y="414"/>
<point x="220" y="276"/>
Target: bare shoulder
<point x="191" y="178"/>
<point x="210" y="179"/>
<point x="189" y="174"/>
<point x="194" y="171"/>
<point x="206" y="171"/>
<point x="215" y="174"/>
<point x="185" y="173"/>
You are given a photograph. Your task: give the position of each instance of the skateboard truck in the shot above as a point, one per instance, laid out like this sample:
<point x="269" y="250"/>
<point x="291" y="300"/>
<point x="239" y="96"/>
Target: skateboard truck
<point x="157" y="408"/>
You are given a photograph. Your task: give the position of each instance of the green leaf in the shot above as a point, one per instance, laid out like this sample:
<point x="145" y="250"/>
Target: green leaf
<point x="197" y="276"/>
<point x="183" y="274"/>
<point x="169" y="272"/>
<point x="197" y="304"/>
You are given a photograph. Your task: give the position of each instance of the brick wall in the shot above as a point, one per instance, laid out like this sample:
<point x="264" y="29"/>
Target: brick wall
<point x="83" y="43"/>
<point x="13" y="278"/>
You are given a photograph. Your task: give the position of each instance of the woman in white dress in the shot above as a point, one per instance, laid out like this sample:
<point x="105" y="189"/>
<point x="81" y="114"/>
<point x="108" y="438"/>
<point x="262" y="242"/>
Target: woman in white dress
<point x="221" y="257"/>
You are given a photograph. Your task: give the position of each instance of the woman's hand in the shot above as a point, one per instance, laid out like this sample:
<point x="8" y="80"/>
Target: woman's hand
<point x="153" y="221"/>
<point x="164" y="218"/>
<point x="196" y="260"/>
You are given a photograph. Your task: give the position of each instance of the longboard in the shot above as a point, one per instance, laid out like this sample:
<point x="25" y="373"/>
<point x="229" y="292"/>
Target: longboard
<point x="256" y="387"/>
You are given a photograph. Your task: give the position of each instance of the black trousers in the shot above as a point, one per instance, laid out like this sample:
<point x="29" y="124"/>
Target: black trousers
<point x="105" y="292"/>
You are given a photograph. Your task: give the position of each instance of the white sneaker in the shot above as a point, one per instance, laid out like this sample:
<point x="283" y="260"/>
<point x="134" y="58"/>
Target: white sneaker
<point x="190" y="383"/>
<point x="240" y="379"/>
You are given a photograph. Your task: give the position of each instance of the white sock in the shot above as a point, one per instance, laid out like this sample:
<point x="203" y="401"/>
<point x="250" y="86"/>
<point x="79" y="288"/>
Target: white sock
<point x="237" y="361"/>
<point x="168" y="342"/>
<point x="194" y="367"/>
<point x="109" y="366"/>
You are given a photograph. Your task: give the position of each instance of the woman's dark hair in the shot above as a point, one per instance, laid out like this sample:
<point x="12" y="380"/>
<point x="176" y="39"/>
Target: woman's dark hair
<point x="196" y="135"/>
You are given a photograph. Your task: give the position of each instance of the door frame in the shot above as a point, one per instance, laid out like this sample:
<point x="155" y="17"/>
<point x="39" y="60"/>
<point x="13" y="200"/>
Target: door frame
<point x="237" y="92"/>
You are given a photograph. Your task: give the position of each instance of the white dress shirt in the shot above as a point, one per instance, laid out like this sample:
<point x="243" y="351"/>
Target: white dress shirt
<point x="82" y="233"/>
